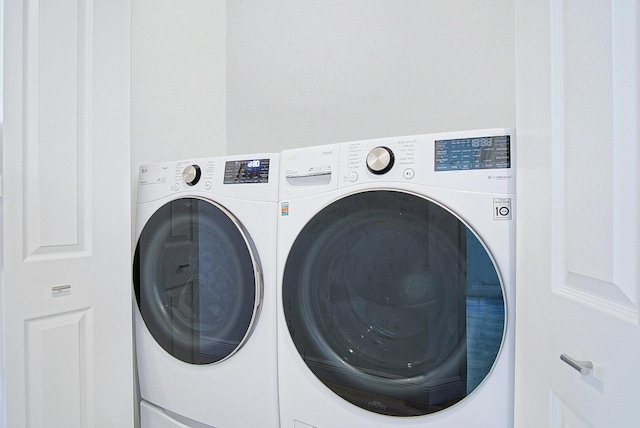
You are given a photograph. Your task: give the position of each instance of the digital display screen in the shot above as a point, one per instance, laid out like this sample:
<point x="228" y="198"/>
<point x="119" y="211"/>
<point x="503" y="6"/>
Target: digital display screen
<point x="473" y="153"/>
<point x="246" y="171"/>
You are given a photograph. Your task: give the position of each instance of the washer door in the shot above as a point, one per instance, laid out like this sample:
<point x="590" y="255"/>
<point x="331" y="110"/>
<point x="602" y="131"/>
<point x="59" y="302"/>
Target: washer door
<point x="393" y="303"/>
<point x="196" y="281"/>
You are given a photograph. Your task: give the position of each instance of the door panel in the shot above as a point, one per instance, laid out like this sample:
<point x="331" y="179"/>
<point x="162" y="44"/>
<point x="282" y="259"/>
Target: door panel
<point x="578" y="236"/>
<point x="56" y="376"/>
<point x="57" y="113"/>
<point x="591" y="175"/>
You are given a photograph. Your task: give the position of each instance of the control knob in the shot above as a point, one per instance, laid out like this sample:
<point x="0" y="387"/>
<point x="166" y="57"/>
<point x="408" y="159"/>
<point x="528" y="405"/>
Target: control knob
<point x="380" y="160"/>
<point x="191" y="175"/>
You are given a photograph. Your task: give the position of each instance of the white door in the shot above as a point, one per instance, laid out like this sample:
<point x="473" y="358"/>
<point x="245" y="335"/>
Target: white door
<point x="66" y="300"/>
<point x="578" y="259"/>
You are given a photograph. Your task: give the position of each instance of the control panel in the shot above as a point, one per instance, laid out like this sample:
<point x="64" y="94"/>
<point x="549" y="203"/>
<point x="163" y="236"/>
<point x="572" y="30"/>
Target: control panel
<point x="478" y="161"/>
<point x="215" y="175"/>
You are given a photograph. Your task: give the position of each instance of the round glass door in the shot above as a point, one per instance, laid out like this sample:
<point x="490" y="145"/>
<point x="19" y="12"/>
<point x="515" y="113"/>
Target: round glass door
<point x="393" y="303"/>
<point x="195" y="281"/>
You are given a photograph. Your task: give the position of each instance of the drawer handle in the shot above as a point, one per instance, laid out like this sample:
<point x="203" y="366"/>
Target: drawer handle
<point x="584" y="367"/>
<point x="60" y="288"/>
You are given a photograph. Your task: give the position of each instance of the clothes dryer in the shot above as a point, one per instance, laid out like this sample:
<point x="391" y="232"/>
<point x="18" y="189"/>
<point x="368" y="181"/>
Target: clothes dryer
<point x="205" y="286"/>
<point x="396" y="282"/>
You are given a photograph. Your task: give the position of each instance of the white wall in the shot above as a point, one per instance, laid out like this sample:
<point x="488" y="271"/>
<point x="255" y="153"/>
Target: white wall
<point x="212" y="77"/>
<point x="307" y="72"/>
<point x="178" y="78"/>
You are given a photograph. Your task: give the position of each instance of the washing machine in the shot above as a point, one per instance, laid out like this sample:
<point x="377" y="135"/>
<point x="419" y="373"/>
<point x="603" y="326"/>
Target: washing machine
<point x="205" y="286"/>
<point x="396" y="282"/>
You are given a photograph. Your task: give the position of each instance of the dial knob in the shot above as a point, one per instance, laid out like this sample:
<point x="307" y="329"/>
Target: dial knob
<point x="380" y="160"/>
<point x="191" y="175"/>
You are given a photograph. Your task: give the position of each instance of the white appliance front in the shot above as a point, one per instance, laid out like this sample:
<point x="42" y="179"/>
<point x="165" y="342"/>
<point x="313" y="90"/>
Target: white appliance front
<point x="396" y="282"/>
<point x="205" y="287"/>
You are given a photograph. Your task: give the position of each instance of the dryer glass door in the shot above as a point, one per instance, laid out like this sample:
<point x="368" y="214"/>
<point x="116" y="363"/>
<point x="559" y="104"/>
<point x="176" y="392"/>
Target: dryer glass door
<point x="393" y="303"/>
<point x="195" y="280"/>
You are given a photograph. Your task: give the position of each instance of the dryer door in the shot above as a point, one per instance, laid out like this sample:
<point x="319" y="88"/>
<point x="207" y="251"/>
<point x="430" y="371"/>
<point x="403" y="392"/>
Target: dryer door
<point x="196" y="281"/>
<point x="394" y="303"/>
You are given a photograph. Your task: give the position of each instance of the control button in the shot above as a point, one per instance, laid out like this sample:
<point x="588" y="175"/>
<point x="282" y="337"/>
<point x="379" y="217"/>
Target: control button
<point x="191" y="175"/>
<point x="207" y="185"/>
<point x="380" y="160"/>
<point x="176" y="187"/>
<point x="353" y="176"/>
<point x="408" y="173"/>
